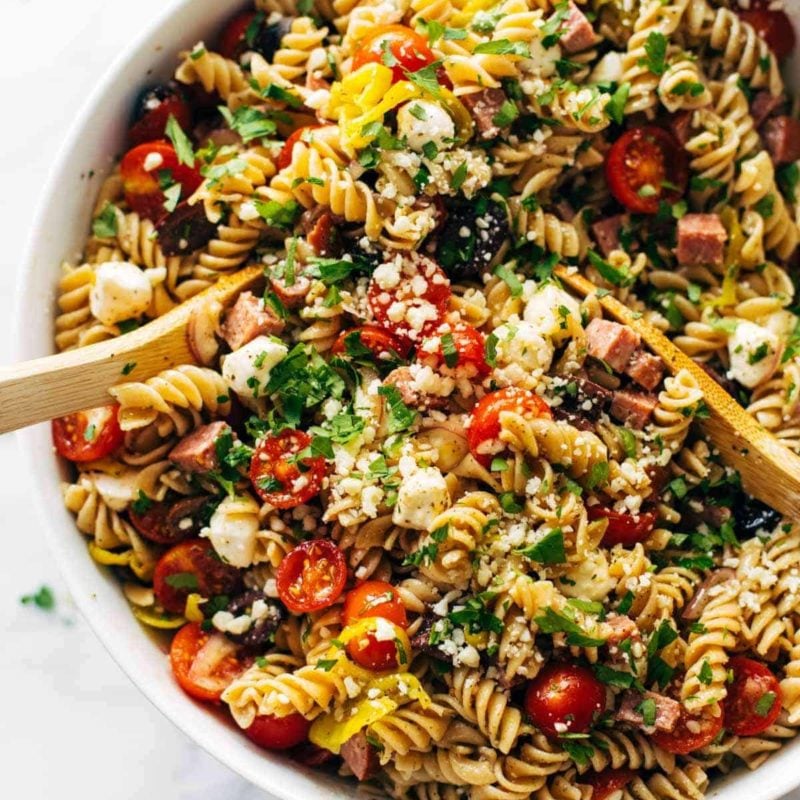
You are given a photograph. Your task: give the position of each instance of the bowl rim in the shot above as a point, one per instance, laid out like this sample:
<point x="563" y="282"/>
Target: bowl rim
<point x="174" y="706"/>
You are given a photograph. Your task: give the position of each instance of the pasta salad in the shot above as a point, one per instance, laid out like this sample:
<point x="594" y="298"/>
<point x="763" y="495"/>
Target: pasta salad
<point x="417" y="514"/>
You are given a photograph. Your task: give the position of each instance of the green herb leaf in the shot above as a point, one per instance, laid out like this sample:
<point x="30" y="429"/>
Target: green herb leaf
<point x="249" y="122"/>
<point x="401" y="417"/>
<point x="279" y="215"/>
<point x="553" y="621"/>
<point x="104" y="225"/>
<point x="510" y="279"/>
<point x="548" y="550"/>
<point x="182" y="580"/>
<point x="614" y="275"/>
<point x="449" y="350"/>
<point x="656" y="49"/>
<point x="765" y="703"/>
<point x="183" y="147"/>
<point x="503" y="47"/>
<point x="615" y="107"/>
<point x="43" y="598"/>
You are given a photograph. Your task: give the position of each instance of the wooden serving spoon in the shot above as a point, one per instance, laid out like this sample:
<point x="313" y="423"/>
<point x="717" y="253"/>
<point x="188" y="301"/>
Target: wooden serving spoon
<point x="53" y="386"/>
<point x="770" y="472"/>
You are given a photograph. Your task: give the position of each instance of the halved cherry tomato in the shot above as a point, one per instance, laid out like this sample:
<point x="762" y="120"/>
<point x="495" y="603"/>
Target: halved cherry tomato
<point x="153" y="110"/>
<point x="753" y="702"/>
<point x="645" y="166"/>
<point x="689" y="734"/>
<point x="170" y="522"/>
<point x="285" y="155"/>
<point x="412" y="301"/>
<point x="608" y="781"/>
<point x="484" y="426"/>
<point x="623" y="528"/>
<point x="204" y="664"/>
<point x="149" y="166"/>
<point x="564" y="698"/>
<point x="468" y="350"/>
<point x="188" y="567"/>
<point x="278" y="477"/>
<point x="278" y="733"/>
<point x="396" y="46"/>
<point x="380" y="342"/>
<point x="88" y="435"/>
<point x="232" y="39"/>
<point x="312" y="576"/>
<point x="772" y="25"/>
<point x="374" y="599"/>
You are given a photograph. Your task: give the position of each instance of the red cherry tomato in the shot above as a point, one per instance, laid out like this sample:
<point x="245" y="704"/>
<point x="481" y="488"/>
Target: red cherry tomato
<point x="153" y="110"/>
<point x="754" y="698"/>
<point x="88" y="435"/>
<point x="278" y="733"/>
<point x="278" y="478"/>
<point x="484" y="426"/>
<point x="403" y="49"/>
<point x="312" y="576"/>
<point x="470" y="351"/>
<point x="773" y="26"/>
<point x="608" y="781"/>
<point x="285" y="155"/>
<point x="147" y="167"/>
<point x="378" y="341"/>
<point x="204" y="664"/>
<point x="639" y="164"/>
<point x="689" y="734"/>
<point x="232" y="39"/>
<point x="188" y="567"/>
<point x="374" y="599"/>
<point x="414" y="305"/>
<point x="564" y="698"/>
<point x="625" y="529"/>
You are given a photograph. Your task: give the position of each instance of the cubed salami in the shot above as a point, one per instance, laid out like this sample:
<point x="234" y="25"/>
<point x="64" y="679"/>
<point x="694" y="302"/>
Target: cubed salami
<point x="764" y="104"/>
<point x="578" y="34"/>
<point x="484" y="105"/>
<point x="646" y="369"/>
<point x="606" y="233"/>
<point x="782" y="139"/>
<point x="360" y="756"/>
<point x="247" y="319"/>
<point x="611" y="342"/>
<point x="197" y="452"/>
<point x="633" y="408"/>
<point x="701" y="240"/>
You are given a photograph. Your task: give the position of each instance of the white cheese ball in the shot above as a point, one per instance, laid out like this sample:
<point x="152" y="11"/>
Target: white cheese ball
<point x="521" y="343"/>
<point x="247" y="369"/>
<point x="608" y="69"/>
<point x="232" y="530"/>
<point x="589" y="579"/>
<point x="754" y="353"/>
<point x="121" y="291"/>
<point x="421" y="498"/>
<point x="422" y="121"/>
<point x="549" y="310"/>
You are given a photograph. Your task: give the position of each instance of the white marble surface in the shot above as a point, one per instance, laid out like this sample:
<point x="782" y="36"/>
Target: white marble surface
<point x="72" y="724"/>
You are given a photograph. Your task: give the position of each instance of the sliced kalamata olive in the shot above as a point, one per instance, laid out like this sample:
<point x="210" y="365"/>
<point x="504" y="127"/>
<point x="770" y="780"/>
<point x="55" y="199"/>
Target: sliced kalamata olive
<point x="471" y="237"/>
<point x="267" y="40"/>
<point x="311" y="755"/>
<point x="719" y="377"/>
<point x="186" y="518"/>
<point x="152" y="110"/>
<point x="185" y="230"/>
<point x="694" y="608"/>
<point x="259" y="635"/>
<point x="752" y="516"/>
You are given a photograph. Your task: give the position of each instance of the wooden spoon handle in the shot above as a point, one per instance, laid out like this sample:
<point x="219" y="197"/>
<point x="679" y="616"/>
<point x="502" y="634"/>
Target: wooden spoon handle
<point x="770" y="471"/>
<point x="38" y="390"/>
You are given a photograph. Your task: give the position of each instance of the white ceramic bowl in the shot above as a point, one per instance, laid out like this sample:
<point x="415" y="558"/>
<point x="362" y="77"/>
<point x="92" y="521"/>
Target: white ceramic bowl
<point x="59" y="232"/>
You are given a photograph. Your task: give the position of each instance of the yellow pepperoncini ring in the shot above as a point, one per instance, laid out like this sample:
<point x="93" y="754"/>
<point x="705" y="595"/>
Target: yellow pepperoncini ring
<point x="368" y="625"/>
<point x="379" y="698"/>
<point x="458" y="112"/>
<point x="109" y="558"/>
<point x="736" y="239"/>
<point x="158" y="619"/>
<point x="192" y="611"/>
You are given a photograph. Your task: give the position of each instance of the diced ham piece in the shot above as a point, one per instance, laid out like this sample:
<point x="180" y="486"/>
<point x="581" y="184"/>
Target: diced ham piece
<point x="403" y="380"/>
<point x="620" y="628"/>
<point x="291" y="296"/>
<point x="633" y="408"/>
<point x="197" y="452"/>
<point x="701" y="240"/>
<point x="782" y="139"/>
<point x="484" y="105"/>
<point x="249" y="318"/>
<point x="606" y="233"/>
<point x="764" y="104"/>
<point x="611" y="342"/>
<point x="320" y="227"/>
<point x="680" y="125"/>
<point x="668" y="711"/>
<point x="646" y="369"/>
<point x="360" y="756"/>
<point x="578" y="34"/>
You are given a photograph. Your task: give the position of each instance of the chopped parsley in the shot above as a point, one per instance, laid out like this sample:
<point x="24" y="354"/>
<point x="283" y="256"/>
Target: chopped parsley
<point x="548" y="550"/>
<point x="615" y="107"/>
<point x="401" y="417"/>
<point x="656" y="53"/>
<point x="182" y="580"/>
<point x="249" y="122"/>
<point x="765" y="704"/>
<point x="553" y="621"/>
<point x="183" y="147"/>
<point x="42" y="598"/>
<point x="618" y="276"/>
<point x="104" y="225"/>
